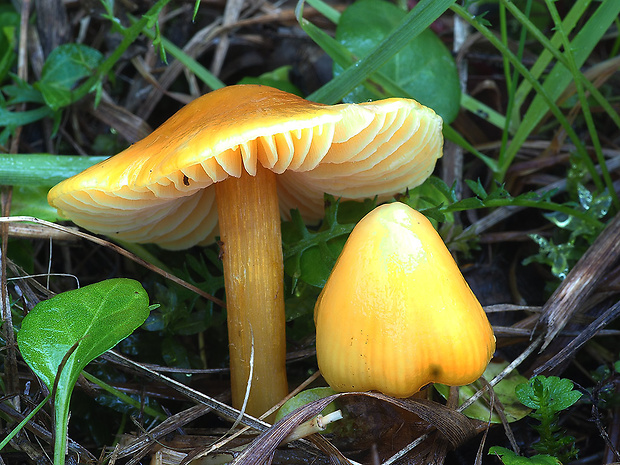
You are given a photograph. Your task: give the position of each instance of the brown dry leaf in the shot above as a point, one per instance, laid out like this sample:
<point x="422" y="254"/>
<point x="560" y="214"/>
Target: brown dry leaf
<point x="453" y="426"/>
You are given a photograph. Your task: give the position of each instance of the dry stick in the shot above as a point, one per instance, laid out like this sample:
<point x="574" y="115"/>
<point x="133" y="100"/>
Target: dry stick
<point x="11" y="372"/>
<point x="587" y="334"/>
<point x="139" y="446"/>
<point x="116" y="248"/>
<point x="225" y="440"/>
<point x="199" y="397"/>
<point x="581" y="281"/>
<point x="232" y="11"/>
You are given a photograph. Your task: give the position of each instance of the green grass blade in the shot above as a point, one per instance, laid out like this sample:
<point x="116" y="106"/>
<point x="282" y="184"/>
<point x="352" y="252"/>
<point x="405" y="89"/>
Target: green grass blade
<point x="129" y="37"/>
<point x="41" y="169"/>
<point x="192" y="65"/>
<point x="557" y="81"/>
<point x="124" y="397"/>
<point x="23" y="423"/>
<point x="326" y="10"/>
<point x="550" y="48"/>
<point x="482" y="111"/>
<point x="545" y="96"/>
<point x="383" y="87"/>
<point x="585" y="106"/>
<point x="416" y="21"/>
<point x="546" y="55"/>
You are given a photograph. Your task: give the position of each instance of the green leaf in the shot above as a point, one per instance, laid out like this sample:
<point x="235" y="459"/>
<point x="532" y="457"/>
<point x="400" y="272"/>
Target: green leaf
<point x="508" y="457"/>
<point x="84" y="323"/>
<point x="65" y="66"/>
<point x="418" y="19"/>
<point x="477" y="188"/>
<point x="557" y="392"/>
<point x="305" y="397"/>
<point x="12" y="119"/>
<point x="96" y="317"/>
<point x="505" y="391"/>
<point x="32" y="201"/>
<point x="9" y="30"/>
<point x="311" y="255"/>
<point x="424" y="68"/>
<point x="278" y="78"/>
<point x="21" y="92"/>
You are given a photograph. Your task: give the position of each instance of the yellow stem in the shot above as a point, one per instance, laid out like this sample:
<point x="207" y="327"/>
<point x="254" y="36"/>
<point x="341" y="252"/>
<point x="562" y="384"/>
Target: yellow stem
<point x="249" y="221"/>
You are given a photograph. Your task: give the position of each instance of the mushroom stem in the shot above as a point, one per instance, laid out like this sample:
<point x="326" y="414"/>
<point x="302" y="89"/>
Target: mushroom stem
<point x="249" y="220"/>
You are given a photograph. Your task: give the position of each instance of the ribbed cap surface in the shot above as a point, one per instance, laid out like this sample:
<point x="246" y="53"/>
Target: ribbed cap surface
<point x="158" y="191"/>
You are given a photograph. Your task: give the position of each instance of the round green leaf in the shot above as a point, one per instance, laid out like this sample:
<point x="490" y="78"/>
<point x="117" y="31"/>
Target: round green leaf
<point x="64" y="67"/>
<point x="425" y="68"/>
<point x="95" y="317"/>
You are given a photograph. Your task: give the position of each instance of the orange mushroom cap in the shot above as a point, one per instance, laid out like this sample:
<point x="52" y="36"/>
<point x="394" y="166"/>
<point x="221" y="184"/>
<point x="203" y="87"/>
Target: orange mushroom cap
<point x="396" y="312"/>
<point x="158" y="190"/>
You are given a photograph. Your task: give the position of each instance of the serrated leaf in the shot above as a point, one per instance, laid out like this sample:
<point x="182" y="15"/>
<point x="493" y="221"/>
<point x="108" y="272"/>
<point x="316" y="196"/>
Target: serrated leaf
<point x="467" y="204"/>
<point x="477" y="188"/>
<point x="424" y="68"/>
<point x="553" y="393"/>
<point x="65" y="66"/>
<point x="311" y="255"/>
<point x="13" y="119"/>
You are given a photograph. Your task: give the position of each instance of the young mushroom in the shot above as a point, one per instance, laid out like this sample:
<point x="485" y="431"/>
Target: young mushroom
<point x="242" y="147"/>
<point x="396" y="313"/>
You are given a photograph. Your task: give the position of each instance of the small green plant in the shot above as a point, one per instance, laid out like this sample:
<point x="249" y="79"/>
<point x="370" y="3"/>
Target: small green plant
<point x="509" y="457"/>
<point x="573" y="235"/>
<point x="548" y="396"/>
<point x="61" y="335"/>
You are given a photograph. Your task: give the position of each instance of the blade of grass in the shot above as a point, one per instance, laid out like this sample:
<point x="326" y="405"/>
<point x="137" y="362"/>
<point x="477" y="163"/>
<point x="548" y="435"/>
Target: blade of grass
<point x="24" y="422"/>
<point x="543" y="94"/>
<point x="192" y="65"/>
<point x="124" y="397"/>
<point x="585" y="106"/>
<point x="454" y="136"/>
<point x="482" y="111"/>
<point x="41" y="169"/>
<point x="383" y="87"/>
<point x="416" y="21"/>
<point x="326" y="10"/>
<point x="544" y="59"/>
<point x="555" y="52"/>
<point x="556" y="82"/>
<point x="130" y="35"/>
<point x="346" y="59"/>
<point x="511" y="78"/>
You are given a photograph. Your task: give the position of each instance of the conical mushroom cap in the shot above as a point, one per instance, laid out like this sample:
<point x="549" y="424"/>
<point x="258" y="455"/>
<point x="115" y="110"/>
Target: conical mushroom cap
<point x="396" y="312"/>
<point x="158" y="190"/>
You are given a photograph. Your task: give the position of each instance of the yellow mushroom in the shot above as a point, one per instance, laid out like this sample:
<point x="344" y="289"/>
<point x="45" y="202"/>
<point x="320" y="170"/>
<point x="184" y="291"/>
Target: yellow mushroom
<point x="396" y="313"/>
<point x="256" y="152"/>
